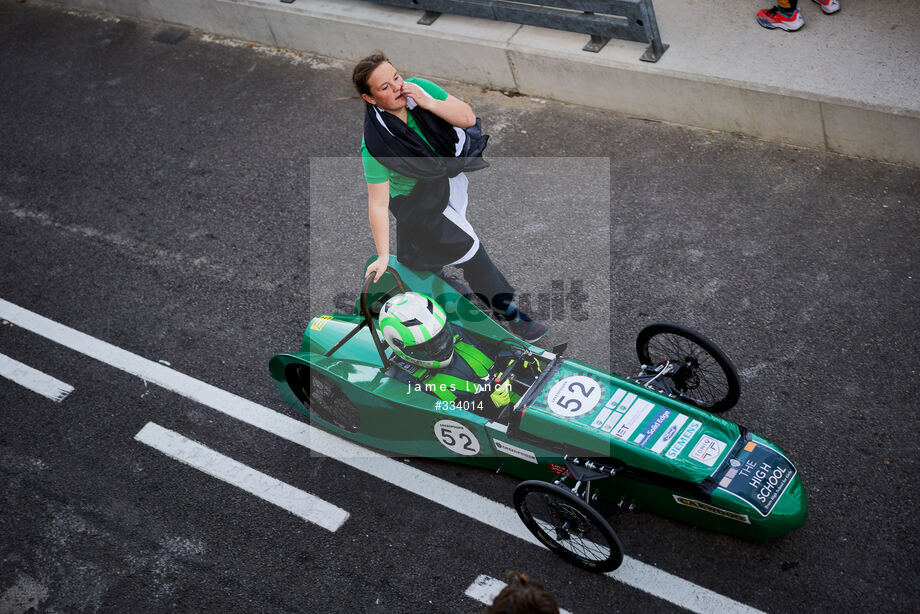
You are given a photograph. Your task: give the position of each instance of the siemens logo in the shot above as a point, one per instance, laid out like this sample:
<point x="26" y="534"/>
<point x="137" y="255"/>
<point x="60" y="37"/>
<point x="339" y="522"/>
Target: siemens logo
<point x="684" y="439"/>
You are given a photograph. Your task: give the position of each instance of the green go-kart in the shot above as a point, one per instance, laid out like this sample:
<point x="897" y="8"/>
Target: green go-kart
<point x="588" y="443"/>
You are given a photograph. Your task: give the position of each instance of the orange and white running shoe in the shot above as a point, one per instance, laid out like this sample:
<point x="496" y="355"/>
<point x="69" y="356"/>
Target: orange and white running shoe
<point x="775" y="18"/>
<point x="829" y="6"/>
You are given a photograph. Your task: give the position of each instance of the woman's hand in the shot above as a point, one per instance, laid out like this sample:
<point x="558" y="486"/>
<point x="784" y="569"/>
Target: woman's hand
<point x="416" y="93"/>
<point x="378" y="267"/>
<point x="452" y="110"/>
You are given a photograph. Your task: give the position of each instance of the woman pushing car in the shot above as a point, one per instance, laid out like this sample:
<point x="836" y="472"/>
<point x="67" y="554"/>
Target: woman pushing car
<point x="419" y="141"/>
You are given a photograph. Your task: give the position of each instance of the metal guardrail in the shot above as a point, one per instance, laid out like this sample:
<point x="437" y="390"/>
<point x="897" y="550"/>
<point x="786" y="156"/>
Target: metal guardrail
<point x="632" y="20"/>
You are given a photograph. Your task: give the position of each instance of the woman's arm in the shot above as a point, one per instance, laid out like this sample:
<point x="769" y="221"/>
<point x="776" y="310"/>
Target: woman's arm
<point x="378" y="212"/>
<point x="452" y="110"/>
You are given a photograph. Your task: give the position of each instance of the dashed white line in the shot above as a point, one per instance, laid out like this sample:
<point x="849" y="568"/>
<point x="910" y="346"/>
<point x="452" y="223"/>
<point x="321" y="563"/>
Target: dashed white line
<point x="632" y="572"/>
<point x="300" y="503"/>
<point x="33" y="379"/>
<point x="485" y="589"/>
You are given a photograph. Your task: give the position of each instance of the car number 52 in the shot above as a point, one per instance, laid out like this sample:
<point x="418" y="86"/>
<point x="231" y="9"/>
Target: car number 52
<point x="573" y="396"/>
<point x="456" y="437"/>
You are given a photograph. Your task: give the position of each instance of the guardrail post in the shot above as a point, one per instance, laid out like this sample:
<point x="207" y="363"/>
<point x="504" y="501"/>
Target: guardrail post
<point x="428" y="18"/>
<point x="656" y="48"/>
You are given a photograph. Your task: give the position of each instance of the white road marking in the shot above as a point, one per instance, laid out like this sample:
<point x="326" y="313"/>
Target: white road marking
<point x="309" y="507"/>
<point x="502" y="517"/>
<point x="485" y="589"/>
<point x="33" y="379"/>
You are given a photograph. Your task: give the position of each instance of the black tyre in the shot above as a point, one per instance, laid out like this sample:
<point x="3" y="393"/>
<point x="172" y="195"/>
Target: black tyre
<point x="323" y="398"/>
<point x="706" y="378"/>
<point x="568" y="526"/>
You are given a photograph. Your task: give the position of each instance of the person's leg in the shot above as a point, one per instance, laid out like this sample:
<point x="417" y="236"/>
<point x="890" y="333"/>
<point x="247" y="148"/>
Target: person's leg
<point x="488" y="282"/>
<point x="785" y="16"/>
<point x="454" y="282"/>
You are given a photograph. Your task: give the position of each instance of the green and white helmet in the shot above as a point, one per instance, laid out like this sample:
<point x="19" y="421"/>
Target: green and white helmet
<point x="416" y="328"/>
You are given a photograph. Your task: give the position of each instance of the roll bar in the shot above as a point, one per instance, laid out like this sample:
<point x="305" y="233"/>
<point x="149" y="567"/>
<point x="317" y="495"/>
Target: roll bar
<point x="368" y="319"/>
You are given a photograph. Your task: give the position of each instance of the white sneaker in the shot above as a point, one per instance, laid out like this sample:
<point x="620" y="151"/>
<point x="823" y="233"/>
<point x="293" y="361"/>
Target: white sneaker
<point x="775" y="18"/>
<point x="829" y="6"/>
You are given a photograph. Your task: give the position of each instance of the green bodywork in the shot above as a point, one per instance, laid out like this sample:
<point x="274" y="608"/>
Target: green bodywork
<point x="679" y="461"/>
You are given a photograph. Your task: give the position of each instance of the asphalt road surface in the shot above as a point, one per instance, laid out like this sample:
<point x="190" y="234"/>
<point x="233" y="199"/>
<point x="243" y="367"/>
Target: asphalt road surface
<point x="194" y="204"/>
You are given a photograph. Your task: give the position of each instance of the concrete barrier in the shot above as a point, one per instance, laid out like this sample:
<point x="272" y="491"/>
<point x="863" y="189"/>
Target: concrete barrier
<point x="550" y="64"/>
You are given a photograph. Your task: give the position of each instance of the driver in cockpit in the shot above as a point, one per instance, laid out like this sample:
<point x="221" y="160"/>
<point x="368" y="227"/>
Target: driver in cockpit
<point x="434" y="356"/>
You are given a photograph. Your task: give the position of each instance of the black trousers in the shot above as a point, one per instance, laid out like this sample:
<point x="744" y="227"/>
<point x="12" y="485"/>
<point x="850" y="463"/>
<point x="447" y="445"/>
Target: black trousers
<point x="487" y="281"/>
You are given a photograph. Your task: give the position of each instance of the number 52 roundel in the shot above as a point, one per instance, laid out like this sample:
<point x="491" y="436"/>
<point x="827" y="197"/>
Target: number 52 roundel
<point x="456" y="437"/>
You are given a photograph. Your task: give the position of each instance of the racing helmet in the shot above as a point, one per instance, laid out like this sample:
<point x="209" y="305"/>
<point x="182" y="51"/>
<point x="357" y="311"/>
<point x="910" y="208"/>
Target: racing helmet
<point x="416" y="328"/>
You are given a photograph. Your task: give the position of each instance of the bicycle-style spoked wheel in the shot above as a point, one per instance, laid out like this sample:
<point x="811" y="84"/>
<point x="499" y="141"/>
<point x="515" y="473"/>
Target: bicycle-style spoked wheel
<point x="568" y="526"/>
<point x="323" y="398"/>
<point x="704" y="377"/>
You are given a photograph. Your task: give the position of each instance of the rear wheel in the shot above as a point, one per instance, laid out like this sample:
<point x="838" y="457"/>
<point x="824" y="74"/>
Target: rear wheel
<point x="704" y="376"/>
<point x="323" y="398"/>
<point x="568" y="526"/>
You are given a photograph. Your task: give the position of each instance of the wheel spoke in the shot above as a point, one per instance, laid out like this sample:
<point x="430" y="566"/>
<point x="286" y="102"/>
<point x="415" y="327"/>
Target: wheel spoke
<point x="708" y="383"/>
<point x="551" y="513"/>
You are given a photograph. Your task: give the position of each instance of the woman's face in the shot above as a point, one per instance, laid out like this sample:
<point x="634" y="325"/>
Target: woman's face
<point x="386" y="86"/>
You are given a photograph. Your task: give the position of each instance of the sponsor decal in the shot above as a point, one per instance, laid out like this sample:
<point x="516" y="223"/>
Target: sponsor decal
<point x="683" y="439"/>
<point x="319" y="322"/>
<point x="707" y="450"/>
<point x="621" y="407"/>
<point x="558" y="469"/>
<point x="611" y="422"/>
<point x="574" y="396"/>
<point x="632" y="419"/>
<point x="659" y="418"/>
<point x="669" y="434"/>
<point x="712" y="509"/>
<point x="758" y="476"/>
<point x="626" y="402"/>
<point x="616" y="398"/>
<point x="602" y="416"/>
<point x="515" y="451"/>
<point x="456" y="437"/>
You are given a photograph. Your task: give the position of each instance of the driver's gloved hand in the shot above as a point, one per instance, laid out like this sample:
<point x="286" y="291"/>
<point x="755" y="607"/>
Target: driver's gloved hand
<point x="501" y="396"/>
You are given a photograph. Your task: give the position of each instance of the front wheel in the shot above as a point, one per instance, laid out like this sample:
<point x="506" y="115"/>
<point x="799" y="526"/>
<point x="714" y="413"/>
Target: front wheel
<point x="701" y="373"/>
<point x="568" y="526"/>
